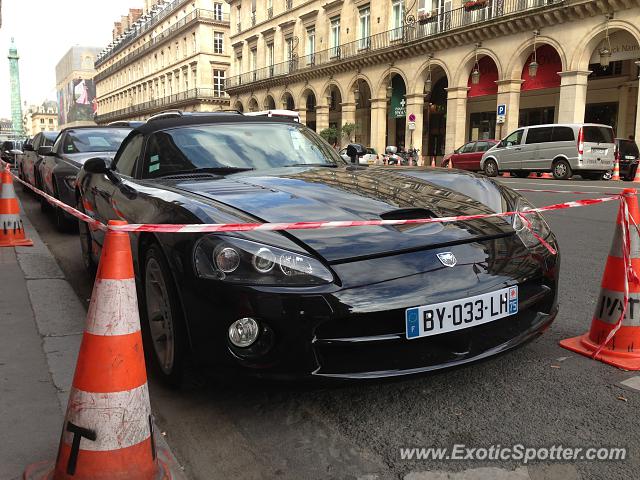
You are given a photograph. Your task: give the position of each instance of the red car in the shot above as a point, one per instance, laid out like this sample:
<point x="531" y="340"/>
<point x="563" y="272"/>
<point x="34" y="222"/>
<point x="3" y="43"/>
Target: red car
<point x="468" y="156"/>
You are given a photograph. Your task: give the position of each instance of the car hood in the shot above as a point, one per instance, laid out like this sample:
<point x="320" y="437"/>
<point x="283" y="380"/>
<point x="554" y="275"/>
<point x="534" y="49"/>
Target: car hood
<point x="78" y="159"/>
<point x="374" y="193"/>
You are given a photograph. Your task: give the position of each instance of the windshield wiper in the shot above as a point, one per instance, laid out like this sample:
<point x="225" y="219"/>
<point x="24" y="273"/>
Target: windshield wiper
<point x="215" y="170"/>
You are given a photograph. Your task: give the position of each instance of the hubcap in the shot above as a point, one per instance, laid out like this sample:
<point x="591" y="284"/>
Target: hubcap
<point x="159" y="316"/>
<point x="561" y="169"/>
<point x="491" y="168"/>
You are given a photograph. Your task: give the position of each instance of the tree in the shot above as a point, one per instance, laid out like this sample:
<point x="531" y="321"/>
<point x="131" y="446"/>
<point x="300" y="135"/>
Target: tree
<point x="330" y="135"/>
<point x="348" y="129"/>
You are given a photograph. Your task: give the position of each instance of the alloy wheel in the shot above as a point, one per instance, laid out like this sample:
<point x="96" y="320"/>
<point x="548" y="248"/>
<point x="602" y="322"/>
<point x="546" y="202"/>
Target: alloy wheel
<point x="159" y="316"/>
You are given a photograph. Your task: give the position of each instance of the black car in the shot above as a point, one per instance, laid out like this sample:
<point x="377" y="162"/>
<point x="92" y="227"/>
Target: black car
<point x="627" y="156"/>
<point x="56" y="172"/>
<point x="31" y="159"/>
<point x="10" y="150"/>
<point x="342" y="303"/>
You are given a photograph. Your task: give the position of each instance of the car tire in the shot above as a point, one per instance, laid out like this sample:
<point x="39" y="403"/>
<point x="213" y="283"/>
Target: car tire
<point x="561" y="170"/>
<point x="490" y="168"/>
<point x="445" y="164"/>
<point x="163" y="327"/>
<point x="86" y="243"/>
<point x="62" y="221"/>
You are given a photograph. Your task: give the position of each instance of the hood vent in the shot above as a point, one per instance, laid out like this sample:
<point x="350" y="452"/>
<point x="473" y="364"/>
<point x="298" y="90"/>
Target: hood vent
<point x="191" y="176"/>
<point x="408" y="214"/>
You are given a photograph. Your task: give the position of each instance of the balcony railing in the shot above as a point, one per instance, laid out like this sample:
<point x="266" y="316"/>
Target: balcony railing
<point x="424" y="28"/>
<point x="189" y="19"/>
<point x="170" y="101"/>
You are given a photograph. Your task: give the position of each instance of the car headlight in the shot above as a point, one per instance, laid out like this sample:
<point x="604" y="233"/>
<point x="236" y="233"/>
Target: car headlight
<point x="235" y="260"/>
<point x="537" y="223"/>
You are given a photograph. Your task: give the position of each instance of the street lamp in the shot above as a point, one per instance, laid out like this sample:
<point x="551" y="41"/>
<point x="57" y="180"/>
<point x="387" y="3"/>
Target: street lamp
<point x="475" y="75"/>
<point x="428" y="83"/>
<point x="605" y="51"/>
<point x="533" y="66"/>
<point x="356" y="95"/>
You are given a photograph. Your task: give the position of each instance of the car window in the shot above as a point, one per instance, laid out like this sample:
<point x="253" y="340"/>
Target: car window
<point x="49" y="138"/>
<point x="238" y="145"/>
<point x="594" y="134"/>
<point x="514" y="138"/>
<point x="483" y="146"/>
<point x="125" y="162"/>
<point x="94" y="140"/>
<point x="371" y="151"/>
<point x="36" y="142"/>
<point x="468" y="148"/>
<point x="562" y="134"/>
<point x="538" y="135"/>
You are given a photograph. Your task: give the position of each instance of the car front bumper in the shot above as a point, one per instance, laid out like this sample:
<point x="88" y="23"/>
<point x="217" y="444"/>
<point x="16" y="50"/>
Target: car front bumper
<point x="357" y="330"/>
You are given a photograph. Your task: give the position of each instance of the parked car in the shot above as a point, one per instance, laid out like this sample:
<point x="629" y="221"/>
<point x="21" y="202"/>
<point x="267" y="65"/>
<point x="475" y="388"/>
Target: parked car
<point x="369" y="158"/>
<point x="468" y="156"/>
<point x="61" y="162"/>
<point x="336" y="303"/>
<point x="563" y="149"/>
<point x="31" y="159"/>
<point x="10" y="150"/>
<point x="627" y="156"/>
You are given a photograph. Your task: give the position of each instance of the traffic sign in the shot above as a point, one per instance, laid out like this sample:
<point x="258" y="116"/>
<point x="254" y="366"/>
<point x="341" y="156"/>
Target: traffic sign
<point x="412" y="117"/>
<point x="412" y="125"/>
<point x="502" y="109"/>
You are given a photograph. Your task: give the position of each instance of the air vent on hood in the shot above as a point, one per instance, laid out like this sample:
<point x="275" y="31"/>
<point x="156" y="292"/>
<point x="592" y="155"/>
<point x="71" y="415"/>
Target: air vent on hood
<point x="232" y="187"/>
<point x="191" y="176"/>
<point x="408" y="214"/>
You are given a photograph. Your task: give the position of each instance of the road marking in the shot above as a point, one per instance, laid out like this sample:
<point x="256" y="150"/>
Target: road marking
<point x="551" y="186"/>
<point x="633" y="382"/>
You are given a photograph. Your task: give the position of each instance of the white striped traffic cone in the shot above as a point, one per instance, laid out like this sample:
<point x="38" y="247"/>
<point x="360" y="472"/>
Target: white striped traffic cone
<point x="108" y="430"/>
<point x="11" y="227"/>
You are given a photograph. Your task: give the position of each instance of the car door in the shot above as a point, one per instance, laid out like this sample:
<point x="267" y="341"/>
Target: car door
<point x="29" y="159"/>
<point x="48" y="163"/>
<point x="537" y="151"/>
<point x="479" y="149"/>
<point x="508" y="157"/>
<point x="464" y="157"/>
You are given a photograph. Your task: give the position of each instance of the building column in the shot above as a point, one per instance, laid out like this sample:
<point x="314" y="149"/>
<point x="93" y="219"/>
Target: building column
<point x="322" y="117"/>
<point x="637" y="129"/>
<point x="456" y="118"/>
<point x="415" y="105"/>
<point x="573" y="96"/>
<point x="509" y="94"/>
<point x="303" y="115"/>
<point x="378" y="123"/>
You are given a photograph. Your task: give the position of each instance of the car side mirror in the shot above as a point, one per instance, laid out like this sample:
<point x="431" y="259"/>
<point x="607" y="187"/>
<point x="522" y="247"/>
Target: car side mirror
<point x="96" y="165"/>
<point x="27" y="147"/>
<point x="44" y="151"/>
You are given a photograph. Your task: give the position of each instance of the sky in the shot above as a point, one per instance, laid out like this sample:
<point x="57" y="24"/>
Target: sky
<point x="44" y="30"/>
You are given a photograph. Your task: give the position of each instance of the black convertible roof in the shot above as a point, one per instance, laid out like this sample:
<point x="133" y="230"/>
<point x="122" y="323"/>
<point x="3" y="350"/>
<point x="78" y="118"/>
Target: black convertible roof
<point x="170" y="121"/>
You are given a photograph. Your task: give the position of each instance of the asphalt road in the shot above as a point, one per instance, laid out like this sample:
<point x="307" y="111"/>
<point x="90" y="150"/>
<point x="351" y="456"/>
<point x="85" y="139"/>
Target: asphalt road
<point x="538" y="395"/>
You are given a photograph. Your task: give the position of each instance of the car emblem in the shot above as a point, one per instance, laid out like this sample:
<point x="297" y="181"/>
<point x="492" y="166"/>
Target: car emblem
<point x="448" y="259"/>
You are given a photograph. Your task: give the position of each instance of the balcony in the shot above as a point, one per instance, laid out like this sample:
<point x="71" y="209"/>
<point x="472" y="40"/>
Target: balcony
<point x="437" y="32"/>
<point x="195" y="95"/>
<point x="185" y="22"/>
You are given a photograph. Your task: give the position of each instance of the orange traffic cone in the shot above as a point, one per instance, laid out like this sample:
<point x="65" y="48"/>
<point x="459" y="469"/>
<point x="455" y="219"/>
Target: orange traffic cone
<point x="636" y="177"/>
<point x="616" y="171"/>
<point x="506" y="175"/>
<point x="107" y="431"/>
<point x="12" y="232"/>
<point x="450" y="164"/>
<point x="433" y="161"/>
<point x="546" y="175"/>
<point x="604" y="342"/>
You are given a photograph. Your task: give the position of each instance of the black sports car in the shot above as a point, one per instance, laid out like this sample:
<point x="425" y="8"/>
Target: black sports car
<point x="345" y="302"/>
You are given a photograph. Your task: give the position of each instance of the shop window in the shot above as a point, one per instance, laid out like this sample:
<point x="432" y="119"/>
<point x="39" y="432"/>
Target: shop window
<point x="483" y="125"/>
<point x="536" y="116"/>
<point x="597" y="71"/>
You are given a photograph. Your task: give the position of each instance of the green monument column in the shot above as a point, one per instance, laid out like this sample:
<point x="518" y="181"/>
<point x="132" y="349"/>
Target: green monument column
<point x="16" y="101"/>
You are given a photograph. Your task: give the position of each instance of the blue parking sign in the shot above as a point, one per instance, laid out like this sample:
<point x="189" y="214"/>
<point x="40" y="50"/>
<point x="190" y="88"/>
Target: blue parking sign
<point x="502" y="109"/>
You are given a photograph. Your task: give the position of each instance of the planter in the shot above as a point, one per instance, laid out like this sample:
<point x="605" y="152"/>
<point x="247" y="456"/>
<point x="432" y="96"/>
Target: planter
<point x="427" y="17"/>
<point x="474" y="5"/>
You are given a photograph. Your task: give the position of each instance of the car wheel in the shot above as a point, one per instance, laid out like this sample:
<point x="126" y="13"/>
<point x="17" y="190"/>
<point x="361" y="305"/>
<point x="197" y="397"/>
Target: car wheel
<point x="63" y="224"/>
<point x="490" y="168"/>
<point x="562" y="170"/>
<point x="163" y="325"/>
<point x="445" y="163"/>
<point x="86" y="243"/>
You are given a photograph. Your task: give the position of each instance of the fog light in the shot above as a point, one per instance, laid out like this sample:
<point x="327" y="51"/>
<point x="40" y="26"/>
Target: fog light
<point x="244" y="332"/>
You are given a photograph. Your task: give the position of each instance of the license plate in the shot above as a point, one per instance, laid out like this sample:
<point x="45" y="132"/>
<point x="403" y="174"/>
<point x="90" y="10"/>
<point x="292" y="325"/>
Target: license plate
<point x="629" y="157"/>
<point x="599" y="150"/>
<point x="467" y="312"/>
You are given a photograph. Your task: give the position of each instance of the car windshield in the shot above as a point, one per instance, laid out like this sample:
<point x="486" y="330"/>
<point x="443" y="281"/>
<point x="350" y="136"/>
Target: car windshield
<point x="236" y="146"/>
<point x="371" y="151"/>
<point x="94" y="140"/>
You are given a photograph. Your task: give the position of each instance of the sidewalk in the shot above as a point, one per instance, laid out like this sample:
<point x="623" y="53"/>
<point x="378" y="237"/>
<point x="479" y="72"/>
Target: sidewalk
<point x="42" y="321"/>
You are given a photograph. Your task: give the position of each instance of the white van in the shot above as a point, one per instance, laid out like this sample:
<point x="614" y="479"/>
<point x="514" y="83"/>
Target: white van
<point x="563" y="149"/>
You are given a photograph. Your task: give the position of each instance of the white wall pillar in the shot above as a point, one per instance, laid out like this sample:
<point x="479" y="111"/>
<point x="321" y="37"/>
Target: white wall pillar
<point x="378" y="123"/>
<point x="415" y="105"/>
<point x="637" y="129"/>
<point x="509" y="94"/>
<point x="456" y="118"/>
<point x="573" y="96"/>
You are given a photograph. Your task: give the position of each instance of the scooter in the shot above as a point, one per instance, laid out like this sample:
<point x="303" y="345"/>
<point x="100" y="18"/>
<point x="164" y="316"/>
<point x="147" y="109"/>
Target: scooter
<point x="391" y="156"/>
